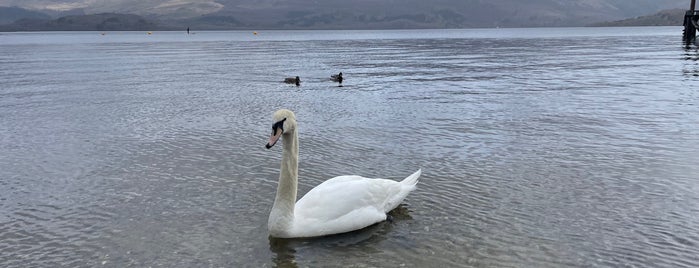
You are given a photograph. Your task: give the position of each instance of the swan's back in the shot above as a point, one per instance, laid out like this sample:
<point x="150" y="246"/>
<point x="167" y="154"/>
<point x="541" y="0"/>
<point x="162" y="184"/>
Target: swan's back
<point x="348" y="203"/>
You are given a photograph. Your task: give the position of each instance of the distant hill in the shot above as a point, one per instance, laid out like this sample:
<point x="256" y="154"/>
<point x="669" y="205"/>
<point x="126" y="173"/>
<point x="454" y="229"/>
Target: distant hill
<point x="11" y="14"/>
<point x="358" y="14"/>
<point x="373" y="14"/>
<point x="96" y="22"/>
<point x="672" y="17"/>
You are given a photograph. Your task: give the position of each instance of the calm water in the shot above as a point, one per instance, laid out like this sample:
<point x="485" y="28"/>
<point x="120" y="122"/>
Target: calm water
<point x="539" y="147"/>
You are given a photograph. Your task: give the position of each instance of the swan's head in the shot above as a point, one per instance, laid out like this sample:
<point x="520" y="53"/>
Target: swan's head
<point x="284" y="123"/>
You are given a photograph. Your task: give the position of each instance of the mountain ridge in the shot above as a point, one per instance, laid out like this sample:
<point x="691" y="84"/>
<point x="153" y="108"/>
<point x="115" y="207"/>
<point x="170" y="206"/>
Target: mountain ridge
<point x="663" y="18"/>
<point x="356" y="14"/>
<point x="93" y="22"/>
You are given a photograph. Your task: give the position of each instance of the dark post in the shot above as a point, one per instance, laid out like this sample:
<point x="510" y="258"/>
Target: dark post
<point x="690" y="21"/>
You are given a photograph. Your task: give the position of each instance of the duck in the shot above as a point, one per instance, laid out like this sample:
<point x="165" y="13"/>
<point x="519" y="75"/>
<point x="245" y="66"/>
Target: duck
<point x="292" y="80"/>
<point x="338" y="205"/>
<point x="336" y="77"/>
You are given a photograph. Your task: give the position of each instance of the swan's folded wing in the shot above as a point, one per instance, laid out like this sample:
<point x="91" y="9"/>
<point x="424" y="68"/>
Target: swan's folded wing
<point x="344" y="204"/>
<point x="354" y="220"/>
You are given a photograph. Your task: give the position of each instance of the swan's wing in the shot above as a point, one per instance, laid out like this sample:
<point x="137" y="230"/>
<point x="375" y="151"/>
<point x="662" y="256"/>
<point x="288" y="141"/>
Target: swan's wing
<point x="343" y="204"/>
<point x="340" y="179"/>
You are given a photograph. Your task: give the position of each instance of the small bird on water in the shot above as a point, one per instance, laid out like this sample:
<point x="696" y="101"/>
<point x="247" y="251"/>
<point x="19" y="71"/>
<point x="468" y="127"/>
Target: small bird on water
<point x="292" y="80"/>
<point x="337" y="78"/>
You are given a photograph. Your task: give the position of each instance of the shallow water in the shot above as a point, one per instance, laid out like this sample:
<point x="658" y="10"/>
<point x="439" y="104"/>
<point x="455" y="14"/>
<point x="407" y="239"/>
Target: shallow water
<point x="565" y="147"/>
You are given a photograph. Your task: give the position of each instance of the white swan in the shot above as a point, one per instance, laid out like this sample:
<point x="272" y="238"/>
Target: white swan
<point x="338" y="205"/>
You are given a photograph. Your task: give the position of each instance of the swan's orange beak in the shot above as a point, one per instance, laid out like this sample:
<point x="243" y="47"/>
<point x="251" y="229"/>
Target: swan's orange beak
<point x="274" y="138"/>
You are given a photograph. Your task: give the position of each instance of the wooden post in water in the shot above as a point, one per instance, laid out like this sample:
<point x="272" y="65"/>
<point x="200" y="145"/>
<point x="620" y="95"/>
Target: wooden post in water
<point x="690" y="23"/>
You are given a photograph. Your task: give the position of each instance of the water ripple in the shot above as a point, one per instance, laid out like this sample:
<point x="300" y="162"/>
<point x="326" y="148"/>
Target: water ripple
<point x="538" y="149"/>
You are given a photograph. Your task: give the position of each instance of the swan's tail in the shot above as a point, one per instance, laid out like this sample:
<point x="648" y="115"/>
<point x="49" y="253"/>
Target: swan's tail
<point x="412" y="179"/>
<point x="407" y="185"/>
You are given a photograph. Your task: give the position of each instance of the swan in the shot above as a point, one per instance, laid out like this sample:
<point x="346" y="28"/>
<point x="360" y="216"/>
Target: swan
<point x="338" y="205"/>
<point x="292" y="80"/>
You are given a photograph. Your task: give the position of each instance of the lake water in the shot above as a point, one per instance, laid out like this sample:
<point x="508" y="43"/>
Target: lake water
<point x="560" y="147"/>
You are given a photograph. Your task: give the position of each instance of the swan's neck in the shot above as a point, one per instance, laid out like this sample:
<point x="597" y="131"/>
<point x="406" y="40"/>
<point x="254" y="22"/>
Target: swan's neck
<point x="281" y="217"/>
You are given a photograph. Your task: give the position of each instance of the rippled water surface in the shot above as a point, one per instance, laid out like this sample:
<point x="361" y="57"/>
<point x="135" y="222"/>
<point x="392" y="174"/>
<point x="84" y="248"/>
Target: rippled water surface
<point x="566" y="147"/>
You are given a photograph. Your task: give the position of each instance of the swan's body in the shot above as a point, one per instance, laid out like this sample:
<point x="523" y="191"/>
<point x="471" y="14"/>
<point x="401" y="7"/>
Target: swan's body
<point x="338" y="205"/>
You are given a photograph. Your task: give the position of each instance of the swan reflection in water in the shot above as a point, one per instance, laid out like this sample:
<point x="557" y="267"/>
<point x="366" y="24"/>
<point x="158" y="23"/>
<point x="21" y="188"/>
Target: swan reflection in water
<point x="286" y="249"/>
